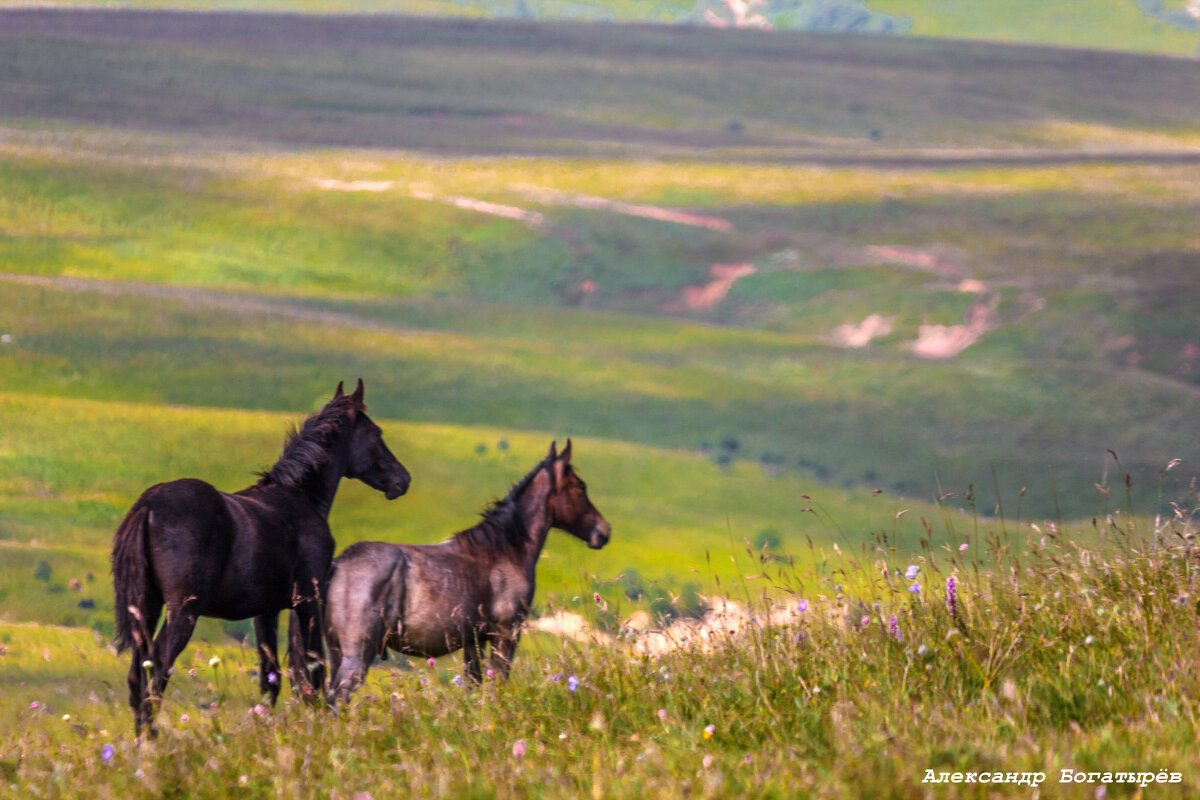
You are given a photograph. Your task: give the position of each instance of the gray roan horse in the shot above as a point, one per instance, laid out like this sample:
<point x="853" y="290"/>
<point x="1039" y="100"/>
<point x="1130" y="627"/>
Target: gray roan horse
<point x="254" y="553"/>
<point x="468" y="592"/>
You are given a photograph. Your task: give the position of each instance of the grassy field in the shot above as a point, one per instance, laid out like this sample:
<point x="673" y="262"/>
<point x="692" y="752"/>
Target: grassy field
<point x="515" y="232"/>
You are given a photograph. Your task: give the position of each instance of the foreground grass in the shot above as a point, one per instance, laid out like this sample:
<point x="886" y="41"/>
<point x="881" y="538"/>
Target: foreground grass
<point x="1062" y="656"/>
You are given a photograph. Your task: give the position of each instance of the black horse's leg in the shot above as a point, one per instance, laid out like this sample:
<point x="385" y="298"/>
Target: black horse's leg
<point x="139" y="682"/>
<point x="169" y="643"/>
<point x="306" y="662"/>
<point x="266" y="631"/>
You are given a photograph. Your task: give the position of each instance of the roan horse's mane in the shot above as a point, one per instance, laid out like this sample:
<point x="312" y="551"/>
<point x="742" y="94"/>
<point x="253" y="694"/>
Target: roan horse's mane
<point x="503" y="524"/>
<point x="307" y="449"/>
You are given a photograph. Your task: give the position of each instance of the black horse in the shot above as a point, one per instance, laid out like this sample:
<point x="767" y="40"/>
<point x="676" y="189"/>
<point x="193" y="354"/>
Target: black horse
<point x="254" y="553"/>
<point x="471" y="591"/>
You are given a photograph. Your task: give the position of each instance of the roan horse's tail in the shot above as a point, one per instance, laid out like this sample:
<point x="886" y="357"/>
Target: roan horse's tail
<point x="131" y="576"/>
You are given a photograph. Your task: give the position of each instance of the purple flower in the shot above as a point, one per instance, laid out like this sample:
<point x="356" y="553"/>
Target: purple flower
<point x="457" y="679"/>
<point x="802" y="606"/>
<point x="558" y="676"/>
<point x="915" y="588"/>
<point x="911" y="572"/>
<point x="107" y="752"/>
<point x="272" y="678"/>
<point x="572" y="683"/>
<point x="894" y="628"/>
<point x="952" y="596"/>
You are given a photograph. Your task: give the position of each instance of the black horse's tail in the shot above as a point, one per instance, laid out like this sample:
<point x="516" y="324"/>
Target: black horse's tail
<point x="131" y="576"/>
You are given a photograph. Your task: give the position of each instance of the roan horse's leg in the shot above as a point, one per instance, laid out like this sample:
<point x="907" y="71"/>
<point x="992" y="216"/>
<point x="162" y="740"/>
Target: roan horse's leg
<point x="504" y="646"/>
<point x="472" y="656"/>
<point x="266" y="632"/>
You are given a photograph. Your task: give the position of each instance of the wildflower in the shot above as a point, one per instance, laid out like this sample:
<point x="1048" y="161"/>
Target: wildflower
<point x="259" y="709"/>
<point x="894" y="628"/>
<point x="922" y="650"/>
<point x="865" y="621"/>
<point x="519" y="748"/>
<point x="1089" y="640"/>
<point x="708" y="732"/>
<point x="662" y="714"/>
<point x="35" y="705"/>
<point x="67" y="717"/>
<point x="915" y="588"/>
<point x="491" y="673"/>
<point x="911" y="572"/>
<point x="272" y="678"/>
<point x="457" y="680"/>
<point x="107" y="752"/>
<point x="147" y="664"/>
<point x="362" y="796"/>
<point x="707" y="760"/>
<point x="952" y="596"/>
<point x="214" y="662"/>
<point x="802" y="606"/>
<point x="596" y="597"/>
<point x="184" y="719"/>
<point x="431" y="662"/>
<point x="572" y="683"/>
<point x="192" y="672"/>
<point x="962" y="548"/>
<point x="558" y="676"/>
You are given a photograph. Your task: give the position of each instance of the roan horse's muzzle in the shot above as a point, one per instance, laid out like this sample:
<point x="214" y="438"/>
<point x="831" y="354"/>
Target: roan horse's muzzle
<point x="600" y="535"/>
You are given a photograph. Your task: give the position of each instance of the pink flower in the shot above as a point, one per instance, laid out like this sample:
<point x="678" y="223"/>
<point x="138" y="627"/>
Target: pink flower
<point x="259" y="709"/>
<point x="491" y="673"/>
<point x="184" y="719"/>
<point x="866" y="621"/>
<point x="962" y="548"/>
<point x="35" y="705"/>
<point x="662" y="714"/>
<point x="519" y="748"/>
<point x="707" y="761"/>
<point x="431" y="662"/>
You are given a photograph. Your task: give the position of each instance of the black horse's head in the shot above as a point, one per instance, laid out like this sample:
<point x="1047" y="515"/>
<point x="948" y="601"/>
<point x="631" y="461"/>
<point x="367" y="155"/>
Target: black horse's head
<point x="369" y="459"/>
<point x="570" y="508"/>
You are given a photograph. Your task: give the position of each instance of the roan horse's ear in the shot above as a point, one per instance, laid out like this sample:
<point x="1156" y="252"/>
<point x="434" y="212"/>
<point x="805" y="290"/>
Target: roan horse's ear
<point x="565" y="455"/>
<point x="553" y="454"/>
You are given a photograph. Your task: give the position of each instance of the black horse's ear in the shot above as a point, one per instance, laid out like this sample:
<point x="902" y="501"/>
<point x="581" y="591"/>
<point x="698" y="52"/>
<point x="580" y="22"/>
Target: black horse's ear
<point x="339" y="391"/>
<point x="358" y="392"/>
<point x="565" y="455"/>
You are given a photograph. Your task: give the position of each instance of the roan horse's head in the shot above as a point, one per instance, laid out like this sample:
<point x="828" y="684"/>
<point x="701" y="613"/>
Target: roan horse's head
<point x="370" y="461"/>
<point x="570" y="508"/>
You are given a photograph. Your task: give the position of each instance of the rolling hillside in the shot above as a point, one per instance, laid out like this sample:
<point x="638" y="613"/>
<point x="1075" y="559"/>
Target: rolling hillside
<point x="745" y="269"/>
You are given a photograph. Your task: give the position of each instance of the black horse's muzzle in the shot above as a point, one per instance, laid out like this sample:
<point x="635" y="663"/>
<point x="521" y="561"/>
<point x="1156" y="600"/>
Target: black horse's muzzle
<point x="397" y="486"/>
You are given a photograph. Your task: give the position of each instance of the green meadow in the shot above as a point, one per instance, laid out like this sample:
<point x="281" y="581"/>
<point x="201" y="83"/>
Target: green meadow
<point x="516" y="233"/>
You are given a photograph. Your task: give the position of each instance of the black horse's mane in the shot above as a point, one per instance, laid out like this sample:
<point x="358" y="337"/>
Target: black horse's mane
<point x="503" y="525"/>
<point x="307" y="448"/>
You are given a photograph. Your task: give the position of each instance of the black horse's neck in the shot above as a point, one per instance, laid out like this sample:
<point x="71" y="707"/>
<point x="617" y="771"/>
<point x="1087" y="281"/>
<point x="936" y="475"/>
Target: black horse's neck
<point x="315" y="456"/>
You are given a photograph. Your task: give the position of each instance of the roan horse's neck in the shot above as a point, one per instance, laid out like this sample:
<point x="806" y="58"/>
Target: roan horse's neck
<point x="534" y="503"/>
